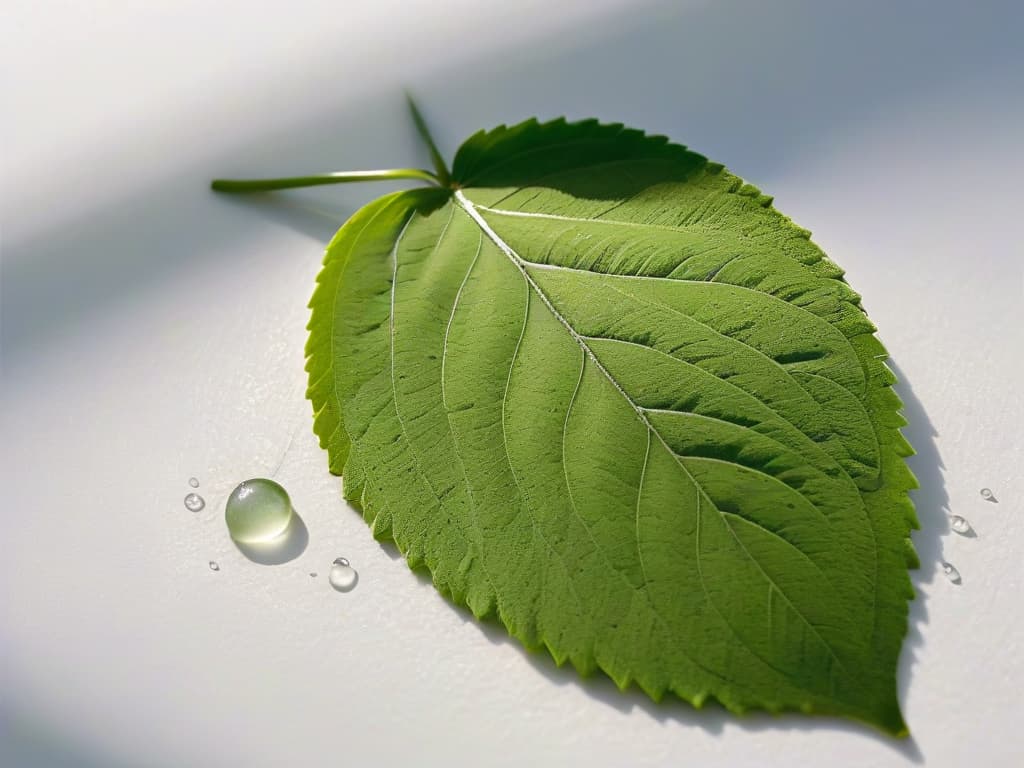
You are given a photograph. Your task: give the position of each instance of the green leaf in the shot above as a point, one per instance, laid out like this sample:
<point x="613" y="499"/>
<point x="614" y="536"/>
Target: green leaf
<point x="602" y="390"/>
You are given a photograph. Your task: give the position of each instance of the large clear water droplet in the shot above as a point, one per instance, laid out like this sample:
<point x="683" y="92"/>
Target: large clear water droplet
<point x="343" y="577"/>
<point x="194" y="502"/>
<point x="959" y="524"/>
<point x="194" y="482"/>
<point x="258" y="511"/>
<point x="951" y="572"/>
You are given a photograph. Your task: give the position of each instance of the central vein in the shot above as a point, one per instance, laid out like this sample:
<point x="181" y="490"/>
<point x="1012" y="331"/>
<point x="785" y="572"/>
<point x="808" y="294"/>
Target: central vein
<point x="520" y="264"/>
<point x="505" y="248"/>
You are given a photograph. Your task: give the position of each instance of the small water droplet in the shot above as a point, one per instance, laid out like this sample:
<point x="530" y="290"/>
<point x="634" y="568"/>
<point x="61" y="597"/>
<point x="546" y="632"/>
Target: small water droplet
<point x="194" y="502"/>
<point x="312" y="574"/>
<point x="258" y="511"/>
<point x="987" y="495"/>
<point x="343" y="577"/>
<point x="951" y="572"/>
<point x="959" y="524"/>
<point x="194" y="482"/>
<point x="214" y="566"/>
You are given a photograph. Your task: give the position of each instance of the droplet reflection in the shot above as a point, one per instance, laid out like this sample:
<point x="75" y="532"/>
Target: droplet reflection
<point x="194" y="502"/>
<point x="257" y="511"/>
<point x="960" y="525"/>
<point x="343" y="577"/>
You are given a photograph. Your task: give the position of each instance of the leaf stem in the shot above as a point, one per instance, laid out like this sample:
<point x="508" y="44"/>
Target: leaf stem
<point x="443" y="174"/>
<point x="339" y="177"/>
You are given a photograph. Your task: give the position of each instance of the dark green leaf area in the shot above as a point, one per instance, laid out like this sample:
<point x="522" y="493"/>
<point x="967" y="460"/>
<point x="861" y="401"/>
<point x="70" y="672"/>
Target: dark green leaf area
<point x="603" y="391"/>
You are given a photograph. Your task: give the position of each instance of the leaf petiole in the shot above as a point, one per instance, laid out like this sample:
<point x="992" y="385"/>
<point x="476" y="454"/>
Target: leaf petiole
<point x="339" y="177"/>
<point x="443" y="174"/>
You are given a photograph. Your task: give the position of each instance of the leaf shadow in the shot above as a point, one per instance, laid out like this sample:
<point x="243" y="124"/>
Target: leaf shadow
<point x="301" y="212"/>
<point x="931" y="502"/>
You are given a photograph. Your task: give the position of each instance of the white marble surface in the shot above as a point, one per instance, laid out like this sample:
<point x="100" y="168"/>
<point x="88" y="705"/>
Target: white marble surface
<point x="153" y="331"/>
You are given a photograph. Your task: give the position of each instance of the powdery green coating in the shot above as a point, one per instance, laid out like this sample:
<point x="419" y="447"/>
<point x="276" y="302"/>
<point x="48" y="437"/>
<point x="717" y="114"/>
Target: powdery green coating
<point x="258" y="511"/>
<point x="605" y="392"/>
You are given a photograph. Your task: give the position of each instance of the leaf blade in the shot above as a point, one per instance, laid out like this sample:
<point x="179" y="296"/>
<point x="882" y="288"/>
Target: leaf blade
<point x="592" y="372"/>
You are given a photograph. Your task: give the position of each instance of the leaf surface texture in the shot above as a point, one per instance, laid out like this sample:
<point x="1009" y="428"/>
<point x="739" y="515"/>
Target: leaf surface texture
<point x="604" y="391"/>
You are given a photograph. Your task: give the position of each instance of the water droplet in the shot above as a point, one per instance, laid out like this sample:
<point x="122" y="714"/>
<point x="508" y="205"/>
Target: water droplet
<point x="959" y="524"/>
<point x="951" y="572"/>
<point x="194" y="502"/>
<point x="214" y="566"/>
<point x="312" y="574"/>
<point x="343" y="577"/>
<point x="258" y="511"/>
<point x="987" y="495"/>
<point x="194" y="482"/>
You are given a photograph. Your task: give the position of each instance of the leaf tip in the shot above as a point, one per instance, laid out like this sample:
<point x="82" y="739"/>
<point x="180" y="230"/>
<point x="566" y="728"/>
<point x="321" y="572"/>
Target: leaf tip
<point x="897" y="728"/>
<point x="889" y="718"/>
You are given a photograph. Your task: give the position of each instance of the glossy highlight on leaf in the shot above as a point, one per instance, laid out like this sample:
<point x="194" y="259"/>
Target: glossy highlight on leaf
<point x="606" y="393"/>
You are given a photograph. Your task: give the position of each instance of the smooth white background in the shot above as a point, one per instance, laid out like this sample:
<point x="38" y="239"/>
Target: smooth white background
<point x="152" y="331"/>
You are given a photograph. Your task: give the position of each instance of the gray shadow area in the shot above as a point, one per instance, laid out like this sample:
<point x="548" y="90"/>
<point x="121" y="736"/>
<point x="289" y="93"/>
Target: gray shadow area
<point x="300" y="211"/>
<point x="283" y="549"/>
<point x="931" y="501"/>
<point x="26" y="743"/>
<point x="755" y="85"/>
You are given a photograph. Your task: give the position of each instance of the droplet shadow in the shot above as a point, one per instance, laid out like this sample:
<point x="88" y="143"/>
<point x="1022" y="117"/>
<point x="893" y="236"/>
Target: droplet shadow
<point x="952" y="574"/>
<point x="970" y="533"/>
<point x="283" y="549"/>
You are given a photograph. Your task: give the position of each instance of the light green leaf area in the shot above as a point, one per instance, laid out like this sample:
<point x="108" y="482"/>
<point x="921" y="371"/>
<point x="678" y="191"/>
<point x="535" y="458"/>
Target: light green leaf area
<point x="603" y="391"/>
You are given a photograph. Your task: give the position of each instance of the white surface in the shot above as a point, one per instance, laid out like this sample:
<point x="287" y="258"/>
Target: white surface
<point x="153" y="331"/>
